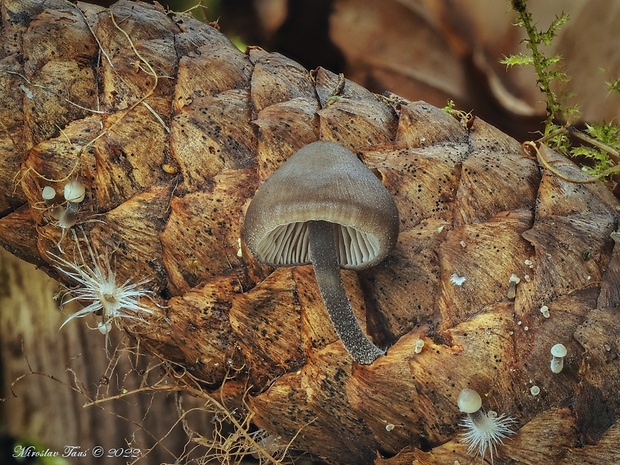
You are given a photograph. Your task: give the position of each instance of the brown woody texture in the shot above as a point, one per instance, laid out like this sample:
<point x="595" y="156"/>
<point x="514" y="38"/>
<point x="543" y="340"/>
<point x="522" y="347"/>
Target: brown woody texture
<point x="172" y="129"/>
<point x="72" y="369"/>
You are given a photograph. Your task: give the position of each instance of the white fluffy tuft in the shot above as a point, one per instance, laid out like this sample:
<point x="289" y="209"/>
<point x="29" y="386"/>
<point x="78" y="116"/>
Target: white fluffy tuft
<point x="484" y="430"/>
<point x="97" y="284"/>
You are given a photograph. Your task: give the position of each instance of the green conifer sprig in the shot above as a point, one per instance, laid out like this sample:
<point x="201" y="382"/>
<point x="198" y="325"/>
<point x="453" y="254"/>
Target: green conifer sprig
<point x="603" y="139"/>
<point x="545" y="67"/>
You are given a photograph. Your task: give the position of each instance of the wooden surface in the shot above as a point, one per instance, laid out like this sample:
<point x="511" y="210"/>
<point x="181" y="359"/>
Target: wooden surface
<point x="49" y="376"/>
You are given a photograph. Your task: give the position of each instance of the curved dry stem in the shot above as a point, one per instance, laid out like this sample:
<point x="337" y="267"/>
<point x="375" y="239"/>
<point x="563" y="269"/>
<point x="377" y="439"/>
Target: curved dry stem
<point x="545" y="163"/>
<point x="327" y="271"/>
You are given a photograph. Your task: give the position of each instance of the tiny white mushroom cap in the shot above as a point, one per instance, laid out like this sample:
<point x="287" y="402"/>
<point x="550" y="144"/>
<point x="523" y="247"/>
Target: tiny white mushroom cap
<point x="74" y="191"/>
<point x="559" y="350"/>
<point x="469" y="401"/>
<point x="48" y="193"/>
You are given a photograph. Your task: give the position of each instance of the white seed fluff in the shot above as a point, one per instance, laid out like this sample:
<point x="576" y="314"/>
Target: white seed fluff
<point x="97" y="284"/>
<point x="457" y="280"/>
<point x="484" y="431"/>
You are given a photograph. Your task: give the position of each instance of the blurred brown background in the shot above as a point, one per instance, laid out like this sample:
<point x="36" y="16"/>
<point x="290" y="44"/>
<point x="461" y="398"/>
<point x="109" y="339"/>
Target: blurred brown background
<point x="439" y="50"/>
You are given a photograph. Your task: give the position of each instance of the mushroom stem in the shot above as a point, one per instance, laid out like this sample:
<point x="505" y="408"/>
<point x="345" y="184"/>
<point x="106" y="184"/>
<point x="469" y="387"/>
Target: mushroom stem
<point x="327" y="271"/>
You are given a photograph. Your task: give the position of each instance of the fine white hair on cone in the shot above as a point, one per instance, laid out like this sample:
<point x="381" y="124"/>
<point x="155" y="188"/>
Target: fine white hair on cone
<point x="484" y="431"/>
<point x="97" y="284"/>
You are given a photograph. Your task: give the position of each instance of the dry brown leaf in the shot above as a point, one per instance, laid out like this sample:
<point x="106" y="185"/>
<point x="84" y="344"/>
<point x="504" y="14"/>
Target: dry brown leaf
<point x="439" y="50"/>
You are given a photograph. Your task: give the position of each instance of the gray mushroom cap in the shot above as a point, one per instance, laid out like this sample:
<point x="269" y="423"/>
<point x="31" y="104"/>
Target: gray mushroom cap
<point x="323" y="181"/>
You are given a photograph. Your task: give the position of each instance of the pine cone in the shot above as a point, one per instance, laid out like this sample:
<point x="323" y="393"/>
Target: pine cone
<point x="171" y="130"/>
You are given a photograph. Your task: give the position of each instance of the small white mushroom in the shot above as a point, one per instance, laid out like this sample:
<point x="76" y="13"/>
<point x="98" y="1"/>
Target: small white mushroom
<point x="469" y="401"/>
<point x="74" y="191"/>
<point x="512" y="286"/>
<point x="239" y="249"/>
<point x="545" y="311"/>
<point x="483" y="430"/>
<point x="534" y="390"/>
<point x="558" y="351"/>
<point x="419" y="345"/>
<point x="48" y="193"/>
